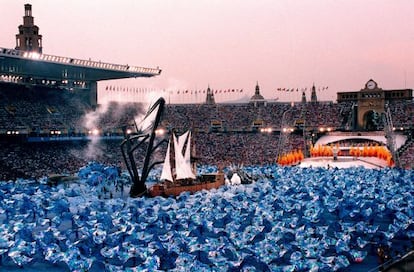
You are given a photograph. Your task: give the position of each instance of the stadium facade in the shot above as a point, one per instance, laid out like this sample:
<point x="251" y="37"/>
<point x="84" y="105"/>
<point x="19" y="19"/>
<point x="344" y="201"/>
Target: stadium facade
<point x="372" y="100"/>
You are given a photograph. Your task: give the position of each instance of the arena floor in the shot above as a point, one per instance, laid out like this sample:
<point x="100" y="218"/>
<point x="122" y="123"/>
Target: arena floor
<point x="344" y="162"/>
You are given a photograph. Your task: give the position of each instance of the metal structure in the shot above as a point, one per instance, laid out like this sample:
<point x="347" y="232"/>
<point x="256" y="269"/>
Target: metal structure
<point x="284" y="134"/>
<point x="142" y="138"/>
<point x="389" y="134"/>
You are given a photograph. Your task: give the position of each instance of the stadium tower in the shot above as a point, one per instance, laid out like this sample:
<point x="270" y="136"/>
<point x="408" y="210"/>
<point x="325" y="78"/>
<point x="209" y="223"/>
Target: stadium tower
<point x="314" y="98"/>
<point x="210" y="97"/>
<point x="28" y="38"/>
<point x="257" y="95"/>
<point x="303" y="97"/>
<point x="27" y="65"/>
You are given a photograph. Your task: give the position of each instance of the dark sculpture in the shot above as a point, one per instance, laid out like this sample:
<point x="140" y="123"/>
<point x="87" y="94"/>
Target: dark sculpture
<point x="143" y="138"/>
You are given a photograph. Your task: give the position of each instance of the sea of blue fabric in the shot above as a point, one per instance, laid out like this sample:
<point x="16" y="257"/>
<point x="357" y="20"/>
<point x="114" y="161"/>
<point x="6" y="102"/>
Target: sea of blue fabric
<point x="290" y="219"/>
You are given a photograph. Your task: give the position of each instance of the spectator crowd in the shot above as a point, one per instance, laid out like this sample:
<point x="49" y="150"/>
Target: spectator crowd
<point x="223" y="133"/>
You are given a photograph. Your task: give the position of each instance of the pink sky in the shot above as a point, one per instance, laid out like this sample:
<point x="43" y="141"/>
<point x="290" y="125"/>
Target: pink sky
<point x="231" y="44"/>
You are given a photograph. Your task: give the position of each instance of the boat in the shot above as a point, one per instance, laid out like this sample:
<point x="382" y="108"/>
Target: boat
<point x="179" y="171"/>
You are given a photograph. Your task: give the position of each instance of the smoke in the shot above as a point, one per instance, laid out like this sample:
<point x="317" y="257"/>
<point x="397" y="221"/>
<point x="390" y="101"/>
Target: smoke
<point x="91" y="121"/>
<point x="110" y="117"/>
<point x="115" y="101"/>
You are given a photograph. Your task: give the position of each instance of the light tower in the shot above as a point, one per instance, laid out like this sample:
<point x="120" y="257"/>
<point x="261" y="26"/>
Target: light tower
<point x="28" y="38"/>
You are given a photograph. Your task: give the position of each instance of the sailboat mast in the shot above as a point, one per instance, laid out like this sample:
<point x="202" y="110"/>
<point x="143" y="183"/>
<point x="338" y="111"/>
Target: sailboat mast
<point x="172" y="156"/>
<point x="193" y="154"/>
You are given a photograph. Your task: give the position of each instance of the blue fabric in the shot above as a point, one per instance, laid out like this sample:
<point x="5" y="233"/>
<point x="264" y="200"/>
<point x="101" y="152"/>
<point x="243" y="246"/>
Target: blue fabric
<point x="289" y="219"/>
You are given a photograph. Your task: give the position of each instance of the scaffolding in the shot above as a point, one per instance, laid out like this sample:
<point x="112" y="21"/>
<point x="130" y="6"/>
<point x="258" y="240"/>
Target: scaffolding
<point x="390" y="135"/>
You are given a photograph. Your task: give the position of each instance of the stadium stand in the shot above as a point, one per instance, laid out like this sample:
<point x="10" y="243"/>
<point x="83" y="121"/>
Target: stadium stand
<point x="224" y="133"/>
<point x="407" y="155"/>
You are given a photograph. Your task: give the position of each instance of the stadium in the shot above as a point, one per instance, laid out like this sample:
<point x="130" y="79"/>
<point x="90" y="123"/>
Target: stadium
<point x="333" y="186"/>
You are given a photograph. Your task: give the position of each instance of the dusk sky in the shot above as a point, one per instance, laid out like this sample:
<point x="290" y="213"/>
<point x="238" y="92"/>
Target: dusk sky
<point x="231" y="44"/>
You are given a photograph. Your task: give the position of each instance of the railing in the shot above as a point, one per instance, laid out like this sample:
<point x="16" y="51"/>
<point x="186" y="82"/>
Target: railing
<point x="355" y="133"/>
<point x="72" y="61"/>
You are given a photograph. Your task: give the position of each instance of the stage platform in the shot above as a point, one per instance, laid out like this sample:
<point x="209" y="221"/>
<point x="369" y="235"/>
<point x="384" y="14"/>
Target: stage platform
<point x="344" y="162"/>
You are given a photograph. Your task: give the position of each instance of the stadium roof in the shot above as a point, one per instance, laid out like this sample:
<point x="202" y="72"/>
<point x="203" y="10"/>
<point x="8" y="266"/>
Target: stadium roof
<point x="30" y="64"/>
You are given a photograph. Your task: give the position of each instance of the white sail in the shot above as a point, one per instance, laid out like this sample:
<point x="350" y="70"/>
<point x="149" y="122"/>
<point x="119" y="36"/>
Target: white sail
<point x="182" y="166"/>
<point x="179" y="160"/>
<point x="187" y="152"/>
<point x="187" y="157"/>
<point x="182" y="140"/>
<point x="166" y="168"/>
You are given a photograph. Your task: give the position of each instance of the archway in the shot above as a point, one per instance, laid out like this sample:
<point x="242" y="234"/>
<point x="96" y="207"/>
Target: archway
<point x="371" y="120"/>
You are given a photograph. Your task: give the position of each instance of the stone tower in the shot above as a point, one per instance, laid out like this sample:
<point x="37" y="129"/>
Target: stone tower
<point x="257" y="95"/>
<point x="210" y="97"/>
<point x="314" y="98"/>
<point x="28" y="38"/>
<point x="257" y="99"/>
<point x="303" y="97"/>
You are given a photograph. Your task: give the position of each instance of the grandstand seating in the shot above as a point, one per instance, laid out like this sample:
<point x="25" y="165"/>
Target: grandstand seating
<point x="42" y="108"/>
<point x="402" y="113"/>
<point x="407" y="155"/>
<point x="40" y="111"/>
